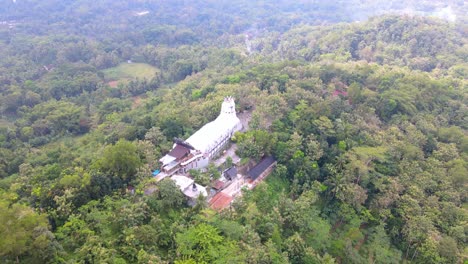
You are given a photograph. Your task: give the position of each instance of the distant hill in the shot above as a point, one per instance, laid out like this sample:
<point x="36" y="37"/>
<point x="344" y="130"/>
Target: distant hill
<point x="417" y="42"/>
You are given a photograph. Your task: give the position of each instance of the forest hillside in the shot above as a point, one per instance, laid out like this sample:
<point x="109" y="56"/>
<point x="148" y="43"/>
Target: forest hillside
<point x="363" y="104"/>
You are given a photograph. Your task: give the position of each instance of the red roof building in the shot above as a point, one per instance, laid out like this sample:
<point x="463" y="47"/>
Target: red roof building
<point x="220" y="201"/>
<point x="217" y="185"/>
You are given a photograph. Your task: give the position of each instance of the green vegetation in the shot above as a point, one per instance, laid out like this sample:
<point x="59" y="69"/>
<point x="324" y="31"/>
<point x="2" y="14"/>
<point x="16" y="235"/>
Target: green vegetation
<point x="367" y="120"/>
<point x="129" y="71"/>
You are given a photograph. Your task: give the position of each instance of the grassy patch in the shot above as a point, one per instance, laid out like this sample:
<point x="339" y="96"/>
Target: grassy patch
<point x="128" y="71"/>
<point x="277" y="185"/>
<point x="6" y="123"/>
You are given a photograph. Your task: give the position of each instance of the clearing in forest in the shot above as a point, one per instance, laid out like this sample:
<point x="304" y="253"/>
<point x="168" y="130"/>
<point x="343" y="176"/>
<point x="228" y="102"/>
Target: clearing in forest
<point x="125" y="72"/>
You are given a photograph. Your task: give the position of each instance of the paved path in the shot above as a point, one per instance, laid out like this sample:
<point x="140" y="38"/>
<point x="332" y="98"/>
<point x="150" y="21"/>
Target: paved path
<point x="235" y="187"/>
<point x="230" y="152"/>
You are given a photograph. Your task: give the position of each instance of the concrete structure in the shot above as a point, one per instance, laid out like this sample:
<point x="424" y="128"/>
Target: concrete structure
<point x="197" y="151"/>
<point x="189" y="188"/>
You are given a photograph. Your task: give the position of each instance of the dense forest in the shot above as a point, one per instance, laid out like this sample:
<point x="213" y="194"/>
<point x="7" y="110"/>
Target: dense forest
<point x="362" y="103"/>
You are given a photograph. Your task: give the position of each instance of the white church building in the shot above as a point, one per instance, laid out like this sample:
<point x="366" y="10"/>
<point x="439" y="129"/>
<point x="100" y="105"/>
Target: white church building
<point x="197" y="151"/>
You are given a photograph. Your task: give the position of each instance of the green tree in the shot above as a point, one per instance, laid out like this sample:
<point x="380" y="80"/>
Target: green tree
<point x="25" y="235"/>
<point x="169" y="195"/>
<point x="203" y="244"/>
<point x="120" y="160"/>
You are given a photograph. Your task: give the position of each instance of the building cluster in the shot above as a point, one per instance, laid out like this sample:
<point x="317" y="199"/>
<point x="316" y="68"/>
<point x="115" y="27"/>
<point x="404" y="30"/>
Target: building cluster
<point x="199" y="149"/>
<point x="9" y="23"/>
<point x="202" y="147"/>
<point x="236" y="182"/>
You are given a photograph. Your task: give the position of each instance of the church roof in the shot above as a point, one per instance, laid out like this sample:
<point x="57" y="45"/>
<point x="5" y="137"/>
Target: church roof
<point x="211" y="134"/>
<point x="179" y="151"/>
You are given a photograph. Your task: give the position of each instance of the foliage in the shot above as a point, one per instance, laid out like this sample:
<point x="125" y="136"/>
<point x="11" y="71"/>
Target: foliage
<point x="25" y="235"/>
<point x="367" y="121"/>
<point x="120" y="160"/>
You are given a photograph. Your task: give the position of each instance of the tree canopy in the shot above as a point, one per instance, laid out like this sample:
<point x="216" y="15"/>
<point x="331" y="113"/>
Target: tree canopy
<point x="364" y="111"/>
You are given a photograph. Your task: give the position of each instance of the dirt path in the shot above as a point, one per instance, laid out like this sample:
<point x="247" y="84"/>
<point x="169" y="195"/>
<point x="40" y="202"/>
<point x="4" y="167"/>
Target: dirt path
<point x="136" y="102"/>
<point x="113" y="84"/>
<point x="245" y="117"/>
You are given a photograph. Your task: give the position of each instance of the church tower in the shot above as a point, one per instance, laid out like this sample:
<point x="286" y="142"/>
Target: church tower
<point x="228" y="106"/>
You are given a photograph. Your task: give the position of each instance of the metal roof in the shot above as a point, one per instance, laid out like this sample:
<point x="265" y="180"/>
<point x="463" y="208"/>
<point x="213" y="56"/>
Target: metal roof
<point x="167" y="159"/>
<point x="217" y="184"/>
<point x="261" y="167"/>
<point x="182" y="181"/>
<point x="231" y="172"/>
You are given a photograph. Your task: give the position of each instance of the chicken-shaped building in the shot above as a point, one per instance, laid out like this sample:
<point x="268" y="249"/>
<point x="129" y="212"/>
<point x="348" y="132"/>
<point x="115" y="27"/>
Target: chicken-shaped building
<point x="197" y="151"/>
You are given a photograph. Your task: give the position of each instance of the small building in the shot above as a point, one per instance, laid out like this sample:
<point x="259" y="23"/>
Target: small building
<point x="217" y="185"/>
<point x="261" y="170"/>
<point x="189" y="188"/>
<point x="193" y="192"/>
<point x="230" y="173"/>
<point x="183" y="182"/>
<point x="180" y="153"/>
